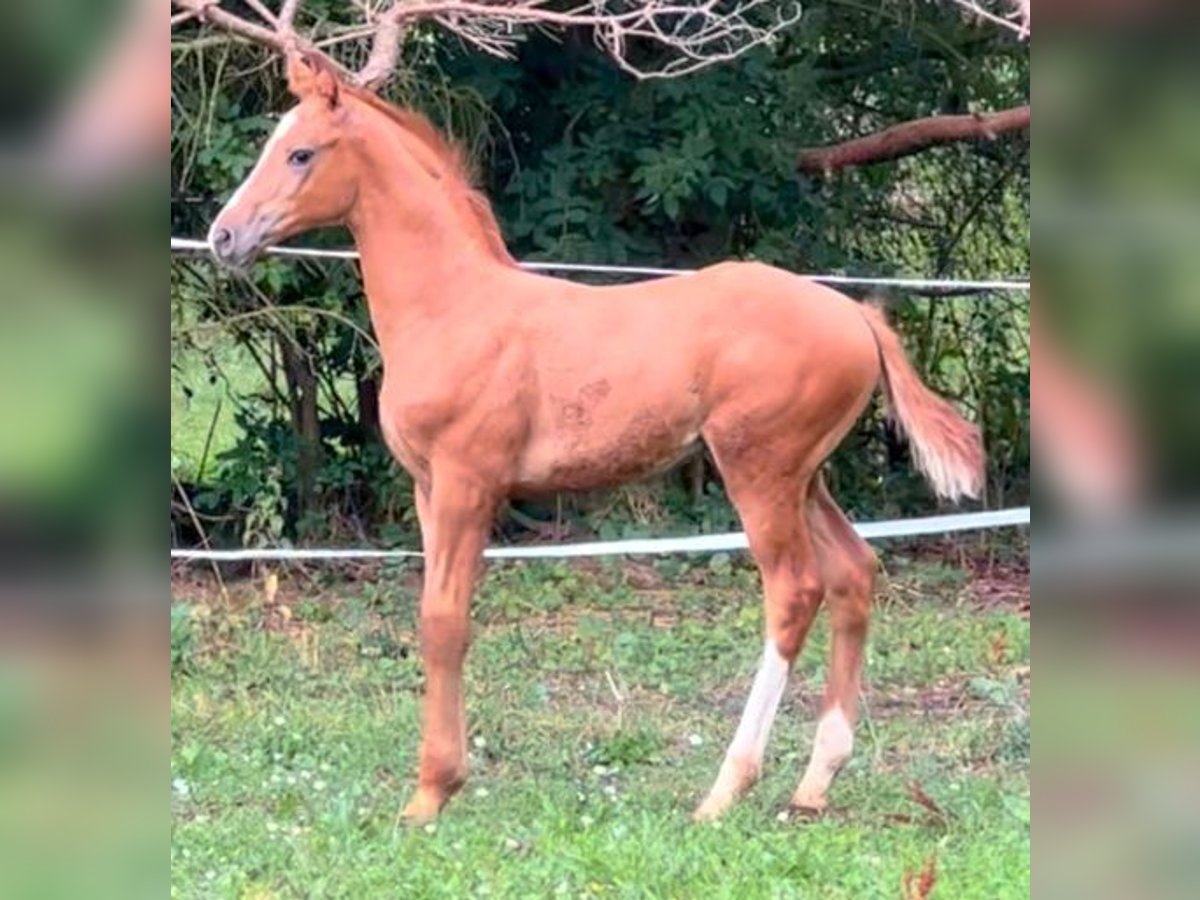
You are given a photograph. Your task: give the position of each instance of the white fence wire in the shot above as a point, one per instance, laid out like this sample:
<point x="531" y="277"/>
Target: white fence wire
<point x="711" y="543"/>
<point x="191" y="245"/>
<point x="704" y="543"/>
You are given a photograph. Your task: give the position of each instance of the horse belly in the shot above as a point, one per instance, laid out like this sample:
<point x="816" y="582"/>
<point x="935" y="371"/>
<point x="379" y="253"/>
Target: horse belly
<point x="604" y="452"/>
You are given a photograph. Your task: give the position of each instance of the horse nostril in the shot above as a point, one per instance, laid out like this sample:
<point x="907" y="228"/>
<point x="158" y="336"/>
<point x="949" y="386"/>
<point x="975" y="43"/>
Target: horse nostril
<point x="222" y="238"/>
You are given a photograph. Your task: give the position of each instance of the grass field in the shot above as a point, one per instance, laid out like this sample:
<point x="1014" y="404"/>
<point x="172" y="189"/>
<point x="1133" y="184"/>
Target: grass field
<point x="600" y="700"/>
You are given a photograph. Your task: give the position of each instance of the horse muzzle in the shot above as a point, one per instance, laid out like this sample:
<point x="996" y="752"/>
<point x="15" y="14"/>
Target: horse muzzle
<point x="237" y="246"/>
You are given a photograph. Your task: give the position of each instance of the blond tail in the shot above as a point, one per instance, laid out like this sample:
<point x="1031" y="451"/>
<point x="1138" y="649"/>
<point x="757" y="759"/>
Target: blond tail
<point x="946" y="447"/>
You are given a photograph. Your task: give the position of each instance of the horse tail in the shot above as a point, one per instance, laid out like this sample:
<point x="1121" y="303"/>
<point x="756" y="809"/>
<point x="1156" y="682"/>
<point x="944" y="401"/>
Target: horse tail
<point x="946" y="448"/>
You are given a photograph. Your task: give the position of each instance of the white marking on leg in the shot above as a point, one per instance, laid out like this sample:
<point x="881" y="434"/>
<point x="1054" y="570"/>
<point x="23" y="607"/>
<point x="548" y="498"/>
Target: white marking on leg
<point x="831" y="748"/>
<point x="758" y="716"/>
<point x="285" y="125"/>
<point x="743" y="759"/>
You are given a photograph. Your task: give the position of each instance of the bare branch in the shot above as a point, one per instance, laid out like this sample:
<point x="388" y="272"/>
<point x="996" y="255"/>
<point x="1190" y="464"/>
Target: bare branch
<point x="1022" y="16"/>
<point x="1017" y="20"/>
<point x="912" y="137"/>
<point x="287" y="15"/>
<point x="694" y="33"/>
<point x="209" y="11"/>
<point x="385" y="49"/>
<point x="697" y="33"/>
<point x="280" y="39"/>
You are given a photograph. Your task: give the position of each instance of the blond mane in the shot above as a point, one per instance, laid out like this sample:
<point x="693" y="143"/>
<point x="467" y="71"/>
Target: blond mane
<point x="452" y="157"/>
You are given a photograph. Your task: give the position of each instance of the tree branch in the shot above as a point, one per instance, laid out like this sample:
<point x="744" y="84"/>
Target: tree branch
<point x="281" y="39"/>
<point x="287" y="13"/>
<point x="912" y="137"/>
<point x="385" y="48"/>
<point x="209" y="11"/>
<point x="684" y="35"/>
<point x="1017" y="20"/>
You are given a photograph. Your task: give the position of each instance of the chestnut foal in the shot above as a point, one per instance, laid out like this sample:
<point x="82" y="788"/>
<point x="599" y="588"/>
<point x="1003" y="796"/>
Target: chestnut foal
<point x="500" y="383"/>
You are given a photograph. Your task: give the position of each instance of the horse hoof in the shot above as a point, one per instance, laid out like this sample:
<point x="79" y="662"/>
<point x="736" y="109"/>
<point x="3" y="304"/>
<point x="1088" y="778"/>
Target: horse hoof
<point x="711" y="810"/>
<point x="422" y="808"/>
<point x="807" y="808"/>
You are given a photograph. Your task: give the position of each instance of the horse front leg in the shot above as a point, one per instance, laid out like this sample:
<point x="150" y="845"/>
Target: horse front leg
<point x="455" y="516"/>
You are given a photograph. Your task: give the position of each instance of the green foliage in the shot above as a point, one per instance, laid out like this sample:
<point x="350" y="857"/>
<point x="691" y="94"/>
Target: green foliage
<point x="626" y="748"/>
<point x="181" y="637"/>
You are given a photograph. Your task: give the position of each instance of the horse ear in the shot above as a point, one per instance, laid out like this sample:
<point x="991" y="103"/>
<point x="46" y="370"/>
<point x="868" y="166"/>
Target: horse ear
<point x="309" y="73"/>
<point x="326" y="86"/>
<point x="300" y="75"/>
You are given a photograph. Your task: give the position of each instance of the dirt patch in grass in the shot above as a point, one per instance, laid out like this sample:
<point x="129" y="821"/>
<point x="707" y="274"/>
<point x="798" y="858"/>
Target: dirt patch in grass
<point x="1001" y="585"/>
<point x="997" y="576"/>
<point x="993" y="578"/>
<point x="944" y="699"/>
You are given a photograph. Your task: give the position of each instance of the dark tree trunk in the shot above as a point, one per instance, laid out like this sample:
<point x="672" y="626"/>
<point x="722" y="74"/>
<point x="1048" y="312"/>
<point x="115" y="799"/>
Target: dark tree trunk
<point x="366" y="389"/>
<point x="696" y="476"/>
<point x="306" y="420"/>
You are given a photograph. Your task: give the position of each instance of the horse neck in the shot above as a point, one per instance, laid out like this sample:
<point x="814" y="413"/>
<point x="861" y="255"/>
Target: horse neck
<point x="422" y="253"/>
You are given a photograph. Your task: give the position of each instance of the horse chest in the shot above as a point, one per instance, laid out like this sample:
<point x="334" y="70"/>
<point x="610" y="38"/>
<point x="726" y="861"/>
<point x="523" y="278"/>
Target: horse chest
<point x="472" y="420"/>
<point x="411" y="422"/>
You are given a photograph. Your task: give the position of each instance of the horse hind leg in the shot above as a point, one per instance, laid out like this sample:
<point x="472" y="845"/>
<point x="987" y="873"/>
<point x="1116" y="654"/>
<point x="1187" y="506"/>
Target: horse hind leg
<point x="781" y="546"/>
<point x="848" y="567"/>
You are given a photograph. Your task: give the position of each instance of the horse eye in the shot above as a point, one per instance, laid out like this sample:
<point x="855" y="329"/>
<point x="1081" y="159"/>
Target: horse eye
<point x="298" y="158"/>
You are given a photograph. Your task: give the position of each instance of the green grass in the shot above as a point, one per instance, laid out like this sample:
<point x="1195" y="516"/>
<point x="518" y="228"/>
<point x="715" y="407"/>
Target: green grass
<point x="203" y="402"/>
<point x="598" y="716"/>
<point x="209" y="381"/>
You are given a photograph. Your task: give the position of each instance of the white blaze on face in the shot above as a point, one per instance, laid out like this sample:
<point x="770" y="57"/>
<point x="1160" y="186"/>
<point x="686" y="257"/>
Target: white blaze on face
<point x="285" y="125"/>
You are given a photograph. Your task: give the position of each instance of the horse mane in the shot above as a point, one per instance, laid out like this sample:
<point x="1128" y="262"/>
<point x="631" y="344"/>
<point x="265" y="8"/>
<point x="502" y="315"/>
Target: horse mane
<point x="452" y="157"/>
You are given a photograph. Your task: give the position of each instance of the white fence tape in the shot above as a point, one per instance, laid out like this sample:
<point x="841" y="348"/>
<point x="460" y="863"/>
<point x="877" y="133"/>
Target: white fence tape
<point x="191" y="245"/>
<point x="705" y="543"/>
